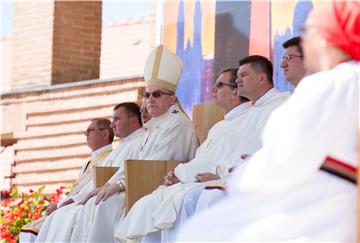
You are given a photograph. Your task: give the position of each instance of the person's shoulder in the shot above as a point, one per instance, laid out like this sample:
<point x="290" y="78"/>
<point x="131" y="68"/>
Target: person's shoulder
<point x="344" y="73"/>
<point x="281" y="94"/>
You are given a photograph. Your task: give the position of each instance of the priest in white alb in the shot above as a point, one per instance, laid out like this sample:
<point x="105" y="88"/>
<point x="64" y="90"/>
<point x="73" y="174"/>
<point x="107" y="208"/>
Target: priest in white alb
<point x="99" y="137"/>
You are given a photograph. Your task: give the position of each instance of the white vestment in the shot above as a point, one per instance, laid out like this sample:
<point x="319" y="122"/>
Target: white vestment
<point x="60" y="224"/>
<point x="242" y="136"/>
<point x="170" y="136"/>
<point x="159" y="209"/>
<point x="281" y="194"/>
<point x="30" y="230"/>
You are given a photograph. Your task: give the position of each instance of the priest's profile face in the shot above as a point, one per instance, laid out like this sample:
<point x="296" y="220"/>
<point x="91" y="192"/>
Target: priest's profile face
<point x="94" y="136"/>
<point x="223" y="90"/>
<point x="158" y="99"/>
<point x="293" y="65"/>
<point x="247" y="81"/>
<point x="121" y="123"/>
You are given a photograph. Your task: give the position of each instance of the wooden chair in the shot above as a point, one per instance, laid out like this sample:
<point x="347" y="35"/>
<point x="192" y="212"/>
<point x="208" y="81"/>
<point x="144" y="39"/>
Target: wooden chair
<point x="102" y="175"/>
<point x="144" y="176"/>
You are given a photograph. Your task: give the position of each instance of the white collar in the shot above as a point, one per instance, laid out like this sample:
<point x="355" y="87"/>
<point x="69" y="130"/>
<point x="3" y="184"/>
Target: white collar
<point x="155" y="121"/>
<point x="236" y="111"/>
<point x="133" y="134"/>
<point x="101" y="150"/>
<point x="270" y="95"/>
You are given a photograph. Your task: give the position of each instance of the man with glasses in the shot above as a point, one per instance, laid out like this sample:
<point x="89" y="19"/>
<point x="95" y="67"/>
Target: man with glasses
<point x="301" y="185"/>
<point x="207" y="164"/>
<point x="170" y="134"/>
<point x="99" y="137"/>
<point x="126" y="125"/>
<point x="292" y="61"/>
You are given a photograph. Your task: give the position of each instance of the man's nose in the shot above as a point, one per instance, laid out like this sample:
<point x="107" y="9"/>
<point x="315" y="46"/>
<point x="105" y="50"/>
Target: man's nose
<point x="213" y="88"/>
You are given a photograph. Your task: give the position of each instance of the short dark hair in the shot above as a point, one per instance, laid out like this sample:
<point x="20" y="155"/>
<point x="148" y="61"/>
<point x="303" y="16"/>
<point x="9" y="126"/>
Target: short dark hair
<point x="296" y="41"/>
<point x="131" y="108"/>
<point x="233" y="77"/>
<point x="103" y="123"/>
<point x="260" y="64"/>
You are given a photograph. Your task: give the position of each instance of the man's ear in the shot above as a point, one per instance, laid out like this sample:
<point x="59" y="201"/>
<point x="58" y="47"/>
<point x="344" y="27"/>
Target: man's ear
<point x="173" y="99"/>
<point x="106" y="134"/>
<point x="133" y="121"/>
<point x="262" y="78"/>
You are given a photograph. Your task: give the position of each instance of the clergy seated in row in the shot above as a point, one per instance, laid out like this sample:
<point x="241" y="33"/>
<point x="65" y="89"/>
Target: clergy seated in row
<point x="99" y="137"/>
<point x="300" y="186"/>
<point x="198" y="199"/>
<point x="127" y="126"/>
<point x="168" y="135"/>
<point x="238" y="133"/>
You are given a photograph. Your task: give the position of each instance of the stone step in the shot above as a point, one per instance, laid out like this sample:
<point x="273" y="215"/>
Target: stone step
<point x="79" y="126"/>
<point x="69" y="107"/>
<point x="51" y="165"/>
<point x="76" y="128"/>
<point x="68" y="116"/>
<point x="51" y="153"/>
<point x="61" y="176"/>
<point x="24" y="144"/>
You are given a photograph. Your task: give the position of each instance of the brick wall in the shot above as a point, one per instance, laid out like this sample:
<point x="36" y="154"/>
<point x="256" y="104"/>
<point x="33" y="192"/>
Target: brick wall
<point x="56" y="42"/>
<point x="32" y="43"/>
<point x="77" y="37"/>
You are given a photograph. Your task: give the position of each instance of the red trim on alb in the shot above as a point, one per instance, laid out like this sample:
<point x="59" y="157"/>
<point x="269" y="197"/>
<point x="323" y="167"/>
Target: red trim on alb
<point x="331" y="160"/>
<point x="340" y="169"/>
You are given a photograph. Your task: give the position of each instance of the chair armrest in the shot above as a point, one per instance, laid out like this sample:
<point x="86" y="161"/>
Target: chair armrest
<point x="144" y="176"/>
<point x="103" y="174"/>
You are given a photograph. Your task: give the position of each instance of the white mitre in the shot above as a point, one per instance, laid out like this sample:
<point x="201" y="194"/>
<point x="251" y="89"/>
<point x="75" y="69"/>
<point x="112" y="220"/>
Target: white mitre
<point x="163" y="68"/>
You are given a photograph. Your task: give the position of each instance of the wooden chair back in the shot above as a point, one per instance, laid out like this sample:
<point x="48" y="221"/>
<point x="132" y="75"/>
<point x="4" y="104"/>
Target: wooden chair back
<point x="205" y="115"/>
<point x="144" y="176"/>
<point x="102" y="175"/>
